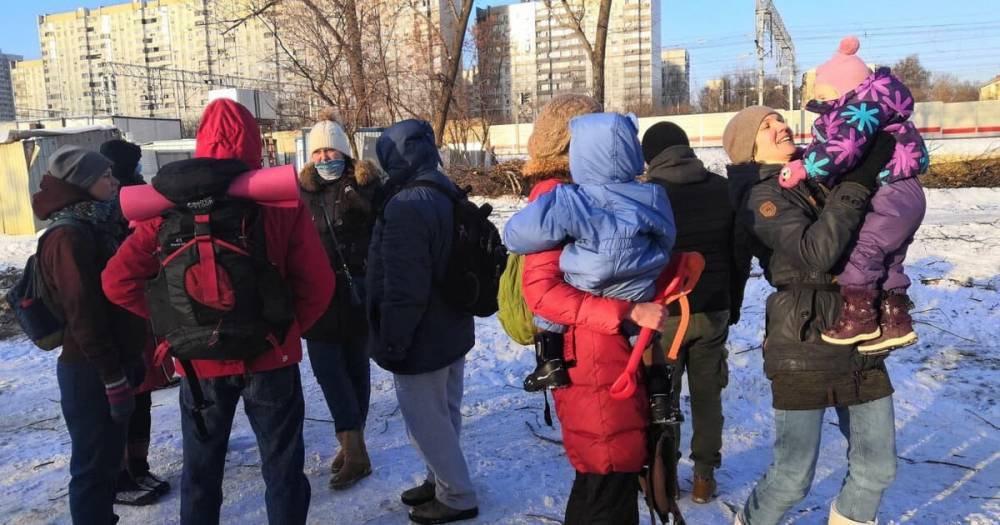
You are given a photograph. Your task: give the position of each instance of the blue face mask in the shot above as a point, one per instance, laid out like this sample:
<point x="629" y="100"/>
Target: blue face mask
<point x="331" y="170"/>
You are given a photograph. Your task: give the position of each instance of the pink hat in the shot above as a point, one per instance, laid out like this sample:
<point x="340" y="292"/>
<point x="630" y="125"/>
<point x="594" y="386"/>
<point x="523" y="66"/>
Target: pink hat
<point x="845" y="71"/>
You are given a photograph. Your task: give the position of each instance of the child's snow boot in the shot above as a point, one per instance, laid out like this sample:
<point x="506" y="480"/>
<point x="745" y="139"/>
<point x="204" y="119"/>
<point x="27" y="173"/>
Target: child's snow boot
<point x="662" y="410"/>
<point x="858" y="320"/>
<point x="551" y="368"/>
<point x="895" y="324"/>
<point x="836" y="518"/>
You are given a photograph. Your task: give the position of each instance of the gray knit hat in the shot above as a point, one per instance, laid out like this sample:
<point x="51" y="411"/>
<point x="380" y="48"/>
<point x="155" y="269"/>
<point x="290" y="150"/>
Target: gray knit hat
<point x="78" y="166"/>
<point x="741" y="133"/>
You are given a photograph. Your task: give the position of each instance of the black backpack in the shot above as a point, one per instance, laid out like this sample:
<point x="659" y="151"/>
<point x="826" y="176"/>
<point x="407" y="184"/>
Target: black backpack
<point x="478" y="256"/>
<point x="216" y="295"/>
<point x="30" y="302"/>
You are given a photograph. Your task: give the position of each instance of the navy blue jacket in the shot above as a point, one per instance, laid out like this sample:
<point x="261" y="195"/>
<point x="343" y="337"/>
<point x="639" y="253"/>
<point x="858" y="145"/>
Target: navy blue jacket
<point x="413" y="329"/>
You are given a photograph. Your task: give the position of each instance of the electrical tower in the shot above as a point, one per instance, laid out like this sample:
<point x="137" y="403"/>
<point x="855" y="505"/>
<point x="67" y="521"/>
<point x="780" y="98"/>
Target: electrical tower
<point x="771" y="29"/>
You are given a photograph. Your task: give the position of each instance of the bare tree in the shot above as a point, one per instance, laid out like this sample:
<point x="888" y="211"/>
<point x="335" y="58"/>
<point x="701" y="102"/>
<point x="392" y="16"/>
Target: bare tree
<point x="914" y="75"/>
<point x="573" y="18"/>
<point x="737" y="90"/>
<point x="948" y="88"/>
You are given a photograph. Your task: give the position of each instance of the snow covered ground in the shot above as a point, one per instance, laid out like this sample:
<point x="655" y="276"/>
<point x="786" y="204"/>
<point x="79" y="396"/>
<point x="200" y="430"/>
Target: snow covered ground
<point x="947" y="415"/>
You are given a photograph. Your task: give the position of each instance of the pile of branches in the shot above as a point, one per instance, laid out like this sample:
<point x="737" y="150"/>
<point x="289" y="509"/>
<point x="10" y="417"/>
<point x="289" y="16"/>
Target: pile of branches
<point x="974" y="172"/>
<point x="498" y="180"/>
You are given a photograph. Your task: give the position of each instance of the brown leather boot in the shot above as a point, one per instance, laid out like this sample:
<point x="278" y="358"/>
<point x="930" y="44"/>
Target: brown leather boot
<point x="858" y="320"/>
<point x="338" y="461"/>
<point x="703" y="490"/>
<point x="356" y="466"/>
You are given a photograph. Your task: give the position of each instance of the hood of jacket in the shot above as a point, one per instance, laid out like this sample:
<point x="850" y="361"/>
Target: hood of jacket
<point x="189" y="180"/>
<point x="55" y="194"/>
<point x="228" y="131"/>
<point x="406" y="150"/>
<point x="882" y="88"/>
<point x="677" y="165"/>
<point x="365" y="173"/>
<point x="604" y="149"/>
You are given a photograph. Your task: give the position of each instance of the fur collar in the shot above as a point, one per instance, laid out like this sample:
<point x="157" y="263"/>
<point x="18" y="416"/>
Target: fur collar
<point x="365" y="173"/>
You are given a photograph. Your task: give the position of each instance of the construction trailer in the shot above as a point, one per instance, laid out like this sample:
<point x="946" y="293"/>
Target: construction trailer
<point x="24" y="158"/>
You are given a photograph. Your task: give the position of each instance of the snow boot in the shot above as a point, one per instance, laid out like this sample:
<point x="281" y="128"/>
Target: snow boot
<point x="338" y="461"/>
<point x="703" y="490"/>
<point x="858" y="320"/>
<point x="128" y="491"/>
<point x="436" y="512"/>
<point x="356" y="466"/>
<point x="836" y="518"/>
<point x="895" y="324"/>
<point x="418" y="495"/>
<point x="550" y="371"/>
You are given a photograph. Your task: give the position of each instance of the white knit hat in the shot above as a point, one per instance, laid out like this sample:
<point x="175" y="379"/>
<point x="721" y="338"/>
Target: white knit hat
<point x="328" y="134"/>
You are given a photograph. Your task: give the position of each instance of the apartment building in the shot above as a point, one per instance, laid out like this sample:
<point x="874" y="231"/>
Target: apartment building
<point x="676" y="78"/>
<point x="28" y="78"/>
<point x="7" y="64"/>
<point x="528" y="54"/>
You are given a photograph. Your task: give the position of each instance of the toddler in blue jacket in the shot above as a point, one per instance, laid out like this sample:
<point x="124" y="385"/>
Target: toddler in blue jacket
<point x="617" y="233"/>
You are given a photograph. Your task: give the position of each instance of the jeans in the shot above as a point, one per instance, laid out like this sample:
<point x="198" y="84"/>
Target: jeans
<point x="703" y="355"/>
<point x="344" y="374"/>
<point x="871" y="462"/>
<point x="431" y="406"/>
<point x="273" y="403"/>
<point x="98" y="444"/>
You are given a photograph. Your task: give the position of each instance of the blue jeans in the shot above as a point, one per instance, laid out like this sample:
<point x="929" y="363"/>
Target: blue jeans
<point x="871" y="462"/>
<point x="273" y="403"/>
<point x="98" y="444"/>
<point x="344" y="374"/>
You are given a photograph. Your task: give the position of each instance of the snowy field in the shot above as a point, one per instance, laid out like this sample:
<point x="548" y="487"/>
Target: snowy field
<point x="946" y="414"/>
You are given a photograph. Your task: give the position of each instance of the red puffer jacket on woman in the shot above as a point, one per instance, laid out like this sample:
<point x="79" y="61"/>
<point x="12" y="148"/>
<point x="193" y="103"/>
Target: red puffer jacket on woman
<point x="600" y="434"/>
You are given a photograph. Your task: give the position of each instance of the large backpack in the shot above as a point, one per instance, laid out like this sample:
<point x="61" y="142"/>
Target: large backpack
<point x="478" y="256"/>
<point x="216" y="295"/>
<point x="515" y="316"/>
<point x="30" y="302"/>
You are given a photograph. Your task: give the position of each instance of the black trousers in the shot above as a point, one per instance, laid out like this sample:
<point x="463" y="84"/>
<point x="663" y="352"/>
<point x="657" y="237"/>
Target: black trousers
<point x="604" y="499"/>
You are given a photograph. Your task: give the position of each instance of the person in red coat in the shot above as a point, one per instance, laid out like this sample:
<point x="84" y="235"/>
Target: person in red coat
<point x="270" y="385"/>
<point x="604" y="438"/>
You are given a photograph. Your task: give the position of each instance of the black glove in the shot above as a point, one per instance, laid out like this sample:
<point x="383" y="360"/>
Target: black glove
<point x="866" y="173"/>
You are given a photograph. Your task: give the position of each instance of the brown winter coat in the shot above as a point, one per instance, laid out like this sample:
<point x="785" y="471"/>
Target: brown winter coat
<point x="348" y="204"/>
<point x="71" y="260"/>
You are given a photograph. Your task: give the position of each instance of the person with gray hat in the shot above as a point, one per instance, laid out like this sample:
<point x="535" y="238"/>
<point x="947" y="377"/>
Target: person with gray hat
<point x="101" y="362"/>
<point x="705" y="224"/>
<point x="800" y="236"/>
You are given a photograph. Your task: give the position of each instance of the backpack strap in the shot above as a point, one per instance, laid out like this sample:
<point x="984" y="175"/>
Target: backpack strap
<point x="206" y="255"/>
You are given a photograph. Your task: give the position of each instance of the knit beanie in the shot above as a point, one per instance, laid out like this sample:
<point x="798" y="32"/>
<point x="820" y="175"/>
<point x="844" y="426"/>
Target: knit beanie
<point x="741" y="133"/>
<point x="550" y="134"/>
<point x="328" y="134"/>
<point x="78" y="166"/>
<point x="125" y="157"/>
<point x="845" y="71"/>
<point x="661" y="136"/>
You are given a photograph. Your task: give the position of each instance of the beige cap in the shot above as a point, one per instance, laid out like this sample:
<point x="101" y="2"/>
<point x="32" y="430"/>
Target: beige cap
<point x="741" y="133"/>
<point x="328" y="134"/>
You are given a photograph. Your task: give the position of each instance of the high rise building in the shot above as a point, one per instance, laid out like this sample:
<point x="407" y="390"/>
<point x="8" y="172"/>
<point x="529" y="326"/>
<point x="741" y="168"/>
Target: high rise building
<point x="28" y="77"/>
<point x="529" y="53"/>
<point x="6" y="86"/>
<point x="676" y="78"/>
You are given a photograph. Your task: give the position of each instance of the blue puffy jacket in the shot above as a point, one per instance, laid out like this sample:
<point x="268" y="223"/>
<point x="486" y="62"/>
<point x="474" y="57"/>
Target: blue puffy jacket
<point x="413" y="329"/>
<point x="620" y="231"/>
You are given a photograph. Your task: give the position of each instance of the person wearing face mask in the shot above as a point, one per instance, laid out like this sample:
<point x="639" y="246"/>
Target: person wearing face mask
<point x="100" y="364"/>
<point x="338" y="189"/>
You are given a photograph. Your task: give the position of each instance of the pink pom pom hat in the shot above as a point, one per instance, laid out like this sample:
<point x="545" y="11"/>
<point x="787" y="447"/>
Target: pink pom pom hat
<point x="845" y="71"/>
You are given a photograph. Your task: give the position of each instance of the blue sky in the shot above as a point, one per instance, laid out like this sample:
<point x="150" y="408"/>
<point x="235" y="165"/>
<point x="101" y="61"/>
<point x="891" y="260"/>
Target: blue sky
<point x="963" y="39"/>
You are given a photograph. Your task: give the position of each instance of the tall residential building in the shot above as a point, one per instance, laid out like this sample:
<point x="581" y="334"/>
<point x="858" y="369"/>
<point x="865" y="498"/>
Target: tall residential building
<point x="676" y="78"/>
<point x="28" y="77"/>
<point x="529" y="54"/>
<point x="6" y="86"/>
<point x="153" y="58"/>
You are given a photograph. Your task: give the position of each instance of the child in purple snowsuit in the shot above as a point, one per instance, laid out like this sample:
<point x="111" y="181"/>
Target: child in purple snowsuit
<point x="853" y="104"/>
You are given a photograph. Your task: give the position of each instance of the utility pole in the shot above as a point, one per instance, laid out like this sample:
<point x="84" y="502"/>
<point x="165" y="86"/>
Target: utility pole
<point x="760" y="14"/>
<point x="770" y="26"/>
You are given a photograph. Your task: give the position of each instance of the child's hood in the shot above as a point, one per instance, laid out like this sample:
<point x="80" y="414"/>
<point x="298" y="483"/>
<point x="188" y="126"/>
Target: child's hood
<point x="604" y="149"/>
<point x="882" y="88"/>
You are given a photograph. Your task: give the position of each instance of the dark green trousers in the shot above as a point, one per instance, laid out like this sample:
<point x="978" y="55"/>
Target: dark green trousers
<point x="703" y="356"/>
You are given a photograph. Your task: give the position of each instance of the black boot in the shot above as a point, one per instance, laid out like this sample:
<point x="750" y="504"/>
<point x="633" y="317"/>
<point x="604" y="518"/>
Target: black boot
<point x="662" y="411"/>
<point x="550" y="371"/>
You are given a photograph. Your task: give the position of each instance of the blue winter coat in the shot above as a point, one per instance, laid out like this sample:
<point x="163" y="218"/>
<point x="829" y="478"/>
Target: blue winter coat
<point x="620" y="231"/>
<point x="413" y="329"/>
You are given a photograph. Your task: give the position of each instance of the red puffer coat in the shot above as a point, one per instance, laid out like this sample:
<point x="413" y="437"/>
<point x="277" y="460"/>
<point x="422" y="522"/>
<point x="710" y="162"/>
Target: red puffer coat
<point x="600" y="434"/>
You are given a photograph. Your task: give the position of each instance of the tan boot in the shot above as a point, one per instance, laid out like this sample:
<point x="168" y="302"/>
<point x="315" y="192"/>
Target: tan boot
<point x="836" y="518"/>
<point x="703" y="490"/>
<point x="356" y="463"/>
<point x="338" y="460"/>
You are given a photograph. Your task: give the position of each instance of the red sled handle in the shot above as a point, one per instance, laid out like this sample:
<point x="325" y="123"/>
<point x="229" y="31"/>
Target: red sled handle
<point x="675" y="283"/>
